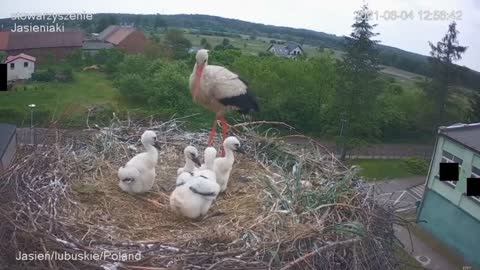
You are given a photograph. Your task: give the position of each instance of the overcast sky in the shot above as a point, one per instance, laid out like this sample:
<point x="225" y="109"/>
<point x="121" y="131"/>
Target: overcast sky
<point x="333" y="17"/>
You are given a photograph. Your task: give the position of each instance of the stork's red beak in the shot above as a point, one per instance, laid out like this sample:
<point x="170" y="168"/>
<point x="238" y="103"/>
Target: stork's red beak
<point x="198" y="76"/>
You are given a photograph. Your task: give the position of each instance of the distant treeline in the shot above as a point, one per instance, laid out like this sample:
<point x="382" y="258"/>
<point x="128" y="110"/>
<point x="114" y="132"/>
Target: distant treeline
<point x="218" y="26"/>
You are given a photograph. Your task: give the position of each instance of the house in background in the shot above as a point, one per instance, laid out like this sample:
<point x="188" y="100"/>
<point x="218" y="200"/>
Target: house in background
<point x="20" y="67"/>
<point x="126" y="38"/>
<point x="41" y="45"/>
<point x="8" y="145"/>
<point x="92" y="46"/>
<point x="289" y="50"/>
<point x="193" y="50"/>
<point x="451" y="215"/>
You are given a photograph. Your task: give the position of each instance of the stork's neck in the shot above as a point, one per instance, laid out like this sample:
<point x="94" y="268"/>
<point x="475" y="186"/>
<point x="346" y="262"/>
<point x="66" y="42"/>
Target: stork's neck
<point x="189" y="165"/>
<point x="229" y="155"/>
<point x="196" y="65"/>
<point x="152" y="151"/>
<point x="209" y="163"/>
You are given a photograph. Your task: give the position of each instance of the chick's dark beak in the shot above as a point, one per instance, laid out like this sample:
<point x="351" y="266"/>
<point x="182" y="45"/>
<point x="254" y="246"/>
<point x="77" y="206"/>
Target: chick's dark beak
<point x="157" y="145"/>
<point x="196" y="160"/>
<point x="240" y="149"/>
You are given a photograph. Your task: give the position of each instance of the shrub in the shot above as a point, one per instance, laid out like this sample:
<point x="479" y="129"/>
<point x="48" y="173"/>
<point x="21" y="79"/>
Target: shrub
<point x="65" y="74"/>
<point x="416" y="166"/>
<point x="44" y="75"/>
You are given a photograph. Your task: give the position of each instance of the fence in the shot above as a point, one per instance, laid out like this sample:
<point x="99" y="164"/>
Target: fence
<point x="378" y="151"/>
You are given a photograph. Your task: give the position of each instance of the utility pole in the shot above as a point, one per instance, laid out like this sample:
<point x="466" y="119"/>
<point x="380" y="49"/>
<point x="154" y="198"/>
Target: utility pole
<point x="31" y="106"/>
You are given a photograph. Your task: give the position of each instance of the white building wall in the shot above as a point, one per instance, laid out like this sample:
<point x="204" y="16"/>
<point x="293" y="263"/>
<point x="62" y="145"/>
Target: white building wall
<point x="19" y="71"/>
<point x="296" y="51"/>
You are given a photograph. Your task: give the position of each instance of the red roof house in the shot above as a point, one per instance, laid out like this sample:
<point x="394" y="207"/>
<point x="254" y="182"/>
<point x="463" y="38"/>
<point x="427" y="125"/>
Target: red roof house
<point x="41" y="44"/>
<point x="124" y="37"/>
<point x="22" y="56"/>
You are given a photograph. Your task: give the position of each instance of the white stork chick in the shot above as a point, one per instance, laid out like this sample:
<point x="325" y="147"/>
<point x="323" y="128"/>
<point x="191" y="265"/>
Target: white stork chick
<point x="191" y="158"/>
<point x="193" y="195"/>
<point x="223" y="165"/>
<point x="138" y="174"/>
<point x="209" y="156"/>
<point x="207" y="168"/>
<point x="219" y="90"/>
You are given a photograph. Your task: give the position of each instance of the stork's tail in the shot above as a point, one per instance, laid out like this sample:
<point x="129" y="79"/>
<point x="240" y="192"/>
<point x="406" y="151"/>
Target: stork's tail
<point x="128" y="174"/>
<point x="245" y="103"/>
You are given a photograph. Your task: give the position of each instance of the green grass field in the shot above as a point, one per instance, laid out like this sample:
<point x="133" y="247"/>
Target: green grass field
<point x="245" y="43"/>
<point x="57" y="101"/>
<point x="382" y="169"/>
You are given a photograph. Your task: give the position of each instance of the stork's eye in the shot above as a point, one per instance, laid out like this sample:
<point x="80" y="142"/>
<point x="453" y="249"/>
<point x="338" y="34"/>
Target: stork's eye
<point x="237" y="145"/>
<point x="204" y="61"/>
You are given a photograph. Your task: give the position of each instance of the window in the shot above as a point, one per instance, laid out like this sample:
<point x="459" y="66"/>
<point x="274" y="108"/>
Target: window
<point x="450" y="158"/>
<point x="12" y="65"/>
<point x="475" y="174"/>
<point x="25" y="64"/>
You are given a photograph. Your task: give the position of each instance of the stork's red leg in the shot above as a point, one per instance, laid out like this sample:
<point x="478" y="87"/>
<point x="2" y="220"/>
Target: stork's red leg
<point x="224" y="128"/>
<point x="213" y="132"/>
<point x="224" y="134"/>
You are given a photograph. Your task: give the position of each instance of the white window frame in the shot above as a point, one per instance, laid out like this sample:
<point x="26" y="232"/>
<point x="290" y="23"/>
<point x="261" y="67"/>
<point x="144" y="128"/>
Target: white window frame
<point x="475" y="175"/>
<point x="454" y="159"/>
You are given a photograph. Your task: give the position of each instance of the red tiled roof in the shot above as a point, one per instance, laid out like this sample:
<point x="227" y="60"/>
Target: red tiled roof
<point x="30" y="40"/>
<point x="115" y="33"/>
<point x="107" y="32"/>
<point x="4" y="40"/>
<point x="22" y="55"/>
<point x="120" y="35"/>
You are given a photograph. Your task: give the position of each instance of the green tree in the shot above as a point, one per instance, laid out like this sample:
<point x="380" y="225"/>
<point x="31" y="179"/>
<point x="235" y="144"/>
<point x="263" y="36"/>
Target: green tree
<point x="159" y="22"/>
<point x="2" y="56"/>
<point x="175" y="40"/>
<point x="225" y="42"/>
<point x="356" y="96"/>
<point x="204" y="43"/>
<point x="445" y="73"/>
<point x="138" y="20"/>
<point x="105" y="21"/>
<point x="75" y="58"/>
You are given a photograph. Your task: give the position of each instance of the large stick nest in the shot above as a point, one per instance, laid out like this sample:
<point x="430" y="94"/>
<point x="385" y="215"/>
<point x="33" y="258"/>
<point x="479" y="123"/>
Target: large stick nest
<point x="64" y="198"/>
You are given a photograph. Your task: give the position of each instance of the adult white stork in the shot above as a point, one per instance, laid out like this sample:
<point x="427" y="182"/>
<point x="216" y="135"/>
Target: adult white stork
<point x="219" y="90"/>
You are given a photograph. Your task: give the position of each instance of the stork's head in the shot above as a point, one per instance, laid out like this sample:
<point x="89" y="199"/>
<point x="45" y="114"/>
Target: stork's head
<point x="149" y="137"/>
<point x="191" y="153"/>
<point x="202" y="57"/>
<point x="201" y="61"/>
<point x="233" y="144"/>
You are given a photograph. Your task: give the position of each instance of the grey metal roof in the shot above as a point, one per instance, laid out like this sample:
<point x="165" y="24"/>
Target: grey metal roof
<point x="284" y="49"/>
<point x="279" y="49"/>
<point x="96" y="45"/>
<point x="291" y="46"/>
<point x="465" y="134"/>
<point x="6" y="133"/>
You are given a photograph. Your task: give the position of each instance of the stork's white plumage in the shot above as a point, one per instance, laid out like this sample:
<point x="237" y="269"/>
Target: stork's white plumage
<point x="191" y="159"/>
<point x="138" y="175"/>
<point x="206" y="170"/>
<point x="193" y="195"/>
<point x="223" y="165"/>
<point x="219" y="90"/>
